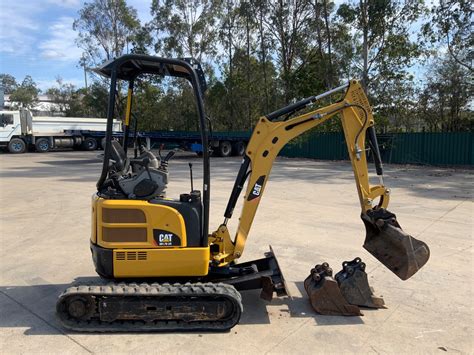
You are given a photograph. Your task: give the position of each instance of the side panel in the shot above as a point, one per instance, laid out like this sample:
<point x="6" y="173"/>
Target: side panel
<point x="138" y="224"/>
<point x="161" y="262"/>
<point x="57" y="125"/>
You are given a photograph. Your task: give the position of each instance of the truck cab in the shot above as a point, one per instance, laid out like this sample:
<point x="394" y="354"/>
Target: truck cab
<point x="10" y="124"/>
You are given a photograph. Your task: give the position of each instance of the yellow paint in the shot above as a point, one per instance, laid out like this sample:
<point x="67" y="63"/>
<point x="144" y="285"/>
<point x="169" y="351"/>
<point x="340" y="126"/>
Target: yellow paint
<point x="163" y="262"/>
<point x="157" y="217"/>
<point x="268" y="138"/>
<point x="128" y="111"/>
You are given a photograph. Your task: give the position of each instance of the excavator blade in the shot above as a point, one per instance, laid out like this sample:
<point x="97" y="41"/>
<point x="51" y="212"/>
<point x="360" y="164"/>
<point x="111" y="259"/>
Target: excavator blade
<point x="324" y="293"/>
<point x="398" y="251"/>
<point x="354" y="285"/>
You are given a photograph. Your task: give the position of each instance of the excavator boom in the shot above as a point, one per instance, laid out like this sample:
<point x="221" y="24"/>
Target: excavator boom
<point x="397" y="250"/>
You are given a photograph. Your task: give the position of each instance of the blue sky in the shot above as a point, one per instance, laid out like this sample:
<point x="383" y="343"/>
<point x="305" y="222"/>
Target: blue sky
<point x="37" y="38"/>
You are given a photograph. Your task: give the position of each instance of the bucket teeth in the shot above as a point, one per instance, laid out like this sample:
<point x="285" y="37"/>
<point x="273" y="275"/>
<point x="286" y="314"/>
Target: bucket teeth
<point x="387" y="241"/>
<point x="354" y="285"/>
<point x="324" y="293"/>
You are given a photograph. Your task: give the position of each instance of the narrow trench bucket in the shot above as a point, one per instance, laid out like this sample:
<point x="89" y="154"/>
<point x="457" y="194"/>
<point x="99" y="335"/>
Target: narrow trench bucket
<point x="398" y="251"/>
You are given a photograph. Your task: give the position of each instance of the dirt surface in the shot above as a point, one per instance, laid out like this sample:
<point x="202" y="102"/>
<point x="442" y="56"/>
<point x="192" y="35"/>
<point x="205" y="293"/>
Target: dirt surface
<point x="309" y="214"/>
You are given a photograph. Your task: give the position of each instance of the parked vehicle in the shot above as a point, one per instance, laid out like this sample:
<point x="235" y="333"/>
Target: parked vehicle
<point x="222" y="144"/>
<point x="19" y="131"/>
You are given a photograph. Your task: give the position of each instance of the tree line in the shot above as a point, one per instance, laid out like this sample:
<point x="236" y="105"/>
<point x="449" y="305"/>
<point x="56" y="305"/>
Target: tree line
<point x="414" y="60"/>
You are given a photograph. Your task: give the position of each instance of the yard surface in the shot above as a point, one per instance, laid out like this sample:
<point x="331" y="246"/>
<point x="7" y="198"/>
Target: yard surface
<point x="309" y="214"/>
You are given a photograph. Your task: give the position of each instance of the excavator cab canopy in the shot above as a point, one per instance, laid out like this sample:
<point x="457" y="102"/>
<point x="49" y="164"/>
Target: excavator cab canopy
<point x="128" y="68"/>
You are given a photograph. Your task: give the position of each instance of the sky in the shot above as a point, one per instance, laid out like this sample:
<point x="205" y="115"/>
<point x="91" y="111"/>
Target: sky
<point x="37" y="39"/>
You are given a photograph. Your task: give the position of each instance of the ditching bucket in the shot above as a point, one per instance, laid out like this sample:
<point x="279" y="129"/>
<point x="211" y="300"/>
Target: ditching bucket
<point x="354" y="285"/>
<point x="398" y="251"/>
<point x="325" y="295"/>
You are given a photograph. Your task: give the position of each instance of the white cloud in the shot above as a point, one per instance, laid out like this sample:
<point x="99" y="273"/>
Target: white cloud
<point x="61" y="46"/>
<point x="65" y="3"/>
<point x="17" y="26"/>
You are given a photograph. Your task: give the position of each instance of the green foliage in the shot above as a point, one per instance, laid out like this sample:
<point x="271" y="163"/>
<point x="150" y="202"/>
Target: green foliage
<point x="381" y="35"/>
<point x="105" y="28"/>
<point x="8" y="83"/>
<point x="451" y="25"/>
<point x="67" y="98"/>
<point x="25" y="94"/>
<point x="446" y="99"/>
<point x="186" y="27"/>
<point x="261" y="55"/>
<point x="94" y="100"/>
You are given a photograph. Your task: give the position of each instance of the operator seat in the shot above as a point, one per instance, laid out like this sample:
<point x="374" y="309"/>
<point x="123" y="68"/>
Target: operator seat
<point x="145" y="180"/>
<point x="122" y="163"/>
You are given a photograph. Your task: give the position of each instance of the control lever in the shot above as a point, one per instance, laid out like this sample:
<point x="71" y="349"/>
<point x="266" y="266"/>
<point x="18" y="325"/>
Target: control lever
<point x="169" y="155"/>
<point x="191" y="173"/>
<point x="164" y="162"/>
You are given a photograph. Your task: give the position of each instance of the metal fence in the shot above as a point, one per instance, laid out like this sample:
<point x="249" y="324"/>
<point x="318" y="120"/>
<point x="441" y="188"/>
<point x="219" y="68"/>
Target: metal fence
<point x="446" y="148"/>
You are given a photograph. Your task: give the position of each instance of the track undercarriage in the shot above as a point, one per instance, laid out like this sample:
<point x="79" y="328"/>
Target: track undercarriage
<point x="133" y="307"/>
<point x="212" y="303"/>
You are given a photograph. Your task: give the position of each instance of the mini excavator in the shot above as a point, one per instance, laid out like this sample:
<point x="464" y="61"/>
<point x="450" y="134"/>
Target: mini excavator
<point x="169" y="273"/>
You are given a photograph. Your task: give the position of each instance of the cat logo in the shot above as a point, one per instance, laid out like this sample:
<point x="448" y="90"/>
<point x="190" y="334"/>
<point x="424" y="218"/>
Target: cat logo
<point x="256" y="189"/>
<point x="165" y="239"/>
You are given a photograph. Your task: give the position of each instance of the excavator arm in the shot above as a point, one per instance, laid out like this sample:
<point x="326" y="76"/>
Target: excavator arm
<point x="385" y="239"/>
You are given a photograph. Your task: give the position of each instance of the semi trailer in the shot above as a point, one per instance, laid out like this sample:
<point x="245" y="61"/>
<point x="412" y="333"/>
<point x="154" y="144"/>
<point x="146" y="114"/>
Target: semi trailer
<point x="20" y="130"/>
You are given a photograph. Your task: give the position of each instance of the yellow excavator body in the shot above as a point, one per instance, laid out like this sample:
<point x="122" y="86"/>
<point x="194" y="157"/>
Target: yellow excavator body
<point x="138" y="234"/>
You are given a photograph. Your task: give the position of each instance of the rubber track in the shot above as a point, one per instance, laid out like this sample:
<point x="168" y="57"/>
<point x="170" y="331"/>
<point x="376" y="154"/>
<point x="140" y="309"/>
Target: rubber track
<point x="149" y="290"/>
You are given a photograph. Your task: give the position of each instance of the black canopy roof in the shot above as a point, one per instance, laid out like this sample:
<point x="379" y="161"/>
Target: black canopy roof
<point x="130" y="66"/>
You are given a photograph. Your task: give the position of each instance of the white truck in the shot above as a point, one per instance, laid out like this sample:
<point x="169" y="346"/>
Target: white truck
<point x="19" y="130"/>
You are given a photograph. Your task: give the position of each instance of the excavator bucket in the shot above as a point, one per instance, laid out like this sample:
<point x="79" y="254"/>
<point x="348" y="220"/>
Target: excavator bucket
<point x="325" y="295"/>
<point x="397" y="250"/>
<point x="354" y="285"/>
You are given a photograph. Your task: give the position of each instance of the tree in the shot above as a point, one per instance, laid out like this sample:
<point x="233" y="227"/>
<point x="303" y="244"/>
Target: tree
<point x="26" y="94"/>
<point x="106" y="27"/>
<point x="95" y="100"/>
<point x="67" y="98"/>
<point x="288" y="22"/>
<point x="451" y="25"/>
<point x="445" y="100"/>
<point x="383" y="48"/>
<point x="8" y="83"/>
<point x="217" y="96"/>
<point x="185" y="27"/>
<point x="228" y="27"/>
